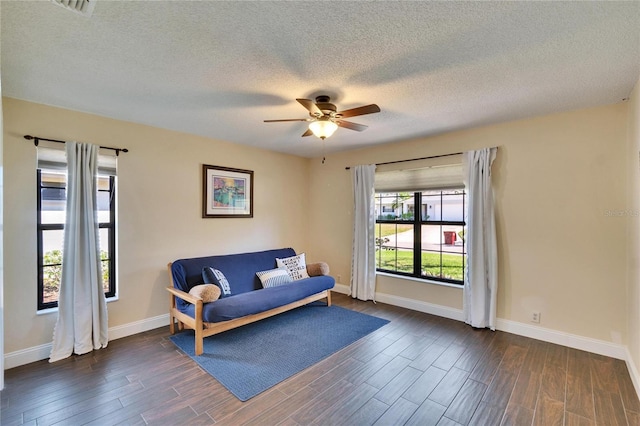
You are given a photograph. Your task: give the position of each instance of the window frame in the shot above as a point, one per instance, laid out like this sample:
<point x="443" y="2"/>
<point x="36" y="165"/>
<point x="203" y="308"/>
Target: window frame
<point x="417" y="223"/>
<point x="41" y="228"/>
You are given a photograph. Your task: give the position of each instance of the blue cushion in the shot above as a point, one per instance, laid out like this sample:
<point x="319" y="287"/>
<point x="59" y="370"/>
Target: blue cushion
<point x="274" y="277"/>
<point x="213" y="276"/>
<point x="239" y="269"/>
<point x="257" y="301"/>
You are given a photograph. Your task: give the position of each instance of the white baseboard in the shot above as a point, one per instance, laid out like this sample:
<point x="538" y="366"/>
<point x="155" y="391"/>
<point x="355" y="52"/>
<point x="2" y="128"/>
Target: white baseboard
<point x="37" y="353"/>
<point x="633" y="372"/>
<point x="416" y="305"/>
<point x="132" y="328"/>
<point x="535" y="332"/>
<point x="588" y="344"/>
<point x="341" y="288"/>
<point x="26" y="356"/>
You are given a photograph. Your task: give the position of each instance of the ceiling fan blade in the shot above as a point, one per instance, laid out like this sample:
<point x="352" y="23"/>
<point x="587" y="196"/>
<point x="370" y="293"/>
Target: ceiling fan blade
<point x="307" y="133"/>
<point x="311" y="106"/>
<point x="351" y="126"/>
<point x="367" y="109"/>
<point x="287" y="119"/>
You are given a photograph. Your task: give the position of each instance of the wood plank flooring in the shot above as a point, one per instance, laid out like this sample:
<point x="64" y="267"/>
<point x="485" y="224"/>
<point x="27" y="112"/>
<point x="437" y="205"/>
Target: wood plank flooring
<point x="417" y="370"/>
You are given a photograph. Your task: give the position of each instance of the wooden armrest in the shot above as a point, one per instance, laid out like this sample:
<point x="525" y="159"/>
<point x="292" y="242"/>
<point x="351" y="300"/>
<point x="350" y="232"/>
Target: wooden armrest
<point x="184" y="296"/>
<point x="318" y="268"/>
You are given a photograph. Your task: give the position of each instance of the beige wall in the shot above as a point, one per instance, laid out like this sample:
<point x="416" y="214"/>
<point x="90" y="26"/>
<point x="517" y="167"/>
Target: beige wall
<point x="633" y="222"/>
<point x="563" y="248"/>
<point x="555" y="179"/>
<point x="159" y="210"/>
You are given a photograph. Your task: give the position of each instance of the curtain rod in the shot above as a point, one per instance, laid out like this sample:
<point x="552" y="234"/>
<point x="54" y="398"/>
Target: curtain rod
<point x="414" y="159"/>
<point x="37" y="139"/>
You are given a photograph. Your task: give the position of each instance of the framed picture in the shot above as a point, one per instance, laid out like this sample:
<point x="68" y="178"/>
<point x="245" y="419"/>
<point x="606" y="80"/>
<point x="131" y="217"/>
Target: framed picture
<point x="226" y="192"/>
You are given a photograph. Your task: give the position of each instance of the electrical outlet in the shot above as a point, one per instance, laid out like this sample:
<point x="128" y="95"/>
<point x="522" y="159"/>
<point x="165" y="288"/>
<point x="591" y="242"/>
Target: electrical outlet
<point x="535" y="317"/>
<point x="339" y="279"/>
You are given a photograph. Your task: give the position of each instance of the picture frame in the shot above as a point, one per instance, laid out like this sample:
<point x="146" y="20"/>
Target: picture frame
<point x="226" y="192"/>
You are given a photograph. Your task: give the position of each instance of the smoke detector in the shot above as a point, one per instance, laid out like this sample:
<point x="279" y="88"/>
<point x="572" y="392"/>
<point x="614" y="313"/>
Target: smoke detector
<point x="81" y="7"/>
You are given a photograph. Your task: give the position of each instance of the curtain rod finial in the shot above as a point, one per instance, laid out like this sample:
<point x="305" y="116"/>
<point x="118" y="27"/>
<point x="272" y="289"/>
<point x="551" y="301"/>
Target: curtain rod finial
<point x="33" y="138"/>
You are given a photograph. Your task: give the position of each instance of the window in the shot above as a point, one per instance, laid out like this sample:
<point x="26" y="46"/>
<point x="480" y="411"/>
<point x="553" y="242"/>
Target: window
<point x="422" y="234"/>
<point x="51" y="204"/>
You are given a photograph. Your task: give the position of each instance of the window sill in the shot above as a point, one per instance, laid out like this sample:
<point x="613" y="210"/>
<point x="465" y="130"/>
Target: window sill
<point x="420" y="280"/>
<point x="53" y="310"/>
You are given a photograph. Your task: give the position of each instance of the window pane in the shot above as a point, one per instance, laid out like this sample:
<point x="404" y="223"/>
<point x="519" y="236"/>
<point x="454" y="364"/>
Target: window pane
<point x="104" y="255"/>
<point x="443" y="265"/>
<point x="404" y="206"/>
<point x="103" y="234"/>
<point x="52" y="264"/>
<point x="103" y="183"/>
<point x="104" y="200"/>
<point x="394" y="247"/>
<point x="443" y="252"/>
<point x="431" y="206"/>
<point x="103" y="207"/>
<point x="51" y="283"/>
<point x="445" y="206"/>
<point x="452" y="206"/>
<point x="54" y="198"/>
<point x="386" y="206"/>
<point x="105" y="275"/>
<point x="52" y="245"/>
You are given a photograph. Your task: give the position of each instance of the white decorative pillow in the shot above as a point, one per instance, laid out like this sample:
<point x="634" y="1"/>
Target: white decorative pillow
<point x="206" y="292"/>
<point x="296" y="266"/>
<point x="274" y="277"/>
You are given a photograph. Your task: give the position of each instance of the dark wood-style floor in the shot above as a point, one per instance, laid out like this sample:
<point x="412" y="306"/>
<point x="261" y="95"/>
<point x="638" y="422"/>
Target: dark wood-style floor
<point x="417" y="370"/>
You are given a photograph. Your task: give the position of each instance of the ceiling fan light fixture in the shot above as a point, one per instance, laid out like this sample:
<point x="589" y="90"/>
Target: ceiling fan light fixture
<point x="323" y="127"/>
<point x="325" y="117"/>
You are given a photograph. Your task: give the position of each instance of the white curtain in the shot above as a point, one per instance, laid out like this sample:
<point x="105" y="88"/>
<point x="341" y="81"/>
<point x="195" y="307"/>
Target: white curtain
<point x="363" y="262"/>
<point x="481" y="275"/>
<point x="82" y="308"/>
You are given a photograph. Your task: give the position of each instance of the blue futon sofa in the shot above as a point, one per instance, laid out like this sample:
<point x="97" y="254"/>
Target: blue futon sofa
<point x="248" y="301"/>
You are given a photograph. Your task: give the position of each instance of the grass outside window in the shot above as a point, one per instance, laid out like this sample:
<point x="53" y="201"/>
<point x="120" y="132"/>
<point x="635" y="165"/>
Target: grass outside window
<point x="402" y="261"/>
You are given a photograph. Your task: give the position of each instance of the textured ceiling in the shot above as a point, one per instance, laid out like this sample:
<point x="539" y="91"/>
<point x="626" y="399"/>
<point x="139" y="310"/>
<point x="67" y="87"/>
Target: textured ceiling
<point x="217" y="69"/>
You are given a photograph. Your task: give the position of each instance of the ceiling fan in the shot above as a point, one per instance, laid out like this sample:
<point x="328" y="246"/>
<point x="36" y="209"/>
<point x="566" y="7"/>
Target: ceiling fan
<point x="324" y="118"/>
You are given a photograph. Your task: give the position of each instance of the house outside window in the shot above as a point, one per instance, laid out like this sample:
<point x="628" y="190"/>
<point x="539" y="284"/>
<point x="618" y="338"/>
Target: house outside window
<point x="430" y="245"/>
<point x="51" y="205"/>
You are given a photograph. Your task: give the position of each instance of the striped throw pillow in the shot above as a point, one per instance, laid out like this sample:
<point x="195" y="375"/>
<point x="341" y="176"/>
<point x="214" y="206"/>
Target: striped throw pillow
<point x="274" y="277"/>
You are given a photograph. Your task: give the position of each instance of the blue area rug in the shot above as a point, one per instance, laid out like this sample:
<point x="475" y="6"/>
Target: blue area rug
<point x="251" y="359"/>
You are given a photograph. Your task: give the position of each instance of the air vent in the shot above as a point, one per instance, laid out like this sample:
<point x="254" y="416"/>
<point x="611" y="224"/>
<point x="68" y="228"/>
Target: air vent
<point x="82" y="7"/>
